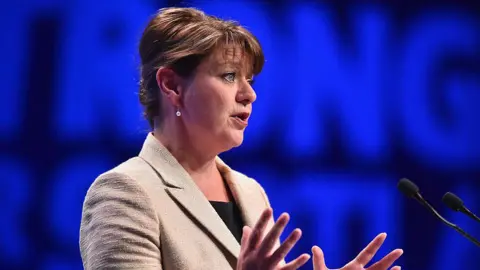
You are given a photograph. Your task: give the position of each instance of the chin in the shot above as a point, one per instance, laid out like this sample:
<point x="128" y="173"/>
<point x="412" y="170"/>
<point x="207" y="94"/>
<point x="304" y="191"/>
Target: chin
<point x="234" y="141"/>
<point x="238" y="142"/>
<point x="227" y="140"/>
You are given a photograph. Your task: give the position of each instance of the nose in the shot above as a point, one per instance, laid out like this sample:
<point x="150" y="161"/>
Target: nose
<point x="246" y="95"/>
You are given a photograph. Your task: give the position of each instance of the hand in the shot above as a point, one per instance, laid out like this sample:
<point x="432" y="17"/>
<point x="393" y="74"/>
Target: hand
<point x="257" y="253"/>
<point x="363" y="257"/>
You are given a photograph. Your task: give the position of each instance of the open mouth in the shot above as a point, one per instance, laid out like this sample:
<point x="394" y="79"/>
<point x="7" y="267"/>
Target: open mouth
<point x="242" y="116"/>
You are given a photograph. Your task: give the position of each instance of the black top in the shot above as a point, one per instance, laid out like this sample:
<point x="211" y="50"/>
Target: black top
<point x="230" y="214"/>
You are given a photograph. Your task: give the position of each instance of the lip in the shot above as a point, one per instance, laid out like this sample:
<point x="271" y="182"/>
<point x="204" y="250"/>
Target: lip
<point x="241" y="118"/>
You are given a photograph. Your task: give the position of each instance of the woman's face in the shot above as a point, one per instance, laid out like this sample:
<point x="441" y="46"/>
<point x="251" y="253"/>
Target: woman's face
<point x="217" y="101"/>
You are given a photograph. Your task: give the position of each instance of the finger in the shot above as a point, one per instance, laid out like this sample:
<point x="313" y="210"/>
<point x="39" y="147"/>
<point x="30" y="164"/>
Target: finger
<point x="368" y="252"/>
<point x="387" y="261"/>
<point x="273" y="235"/>
<point x="245" y="237"/>
<point x="285" y="247"/>
<point x="257" y="232"/>
<point x="396" y="268"/>
<point x="318" y="259"/>
<point x="297" y="263"/>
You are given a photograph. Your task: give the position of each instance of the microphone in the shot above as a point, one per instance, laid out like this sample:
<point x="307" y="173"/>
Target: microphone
<point x="411" y="190"/>
<point x="456" y="204"/>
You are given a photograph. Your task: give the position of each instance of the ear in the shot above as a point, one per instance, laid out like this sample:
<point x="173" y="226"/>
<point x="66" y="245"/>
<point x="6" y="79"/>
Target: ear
<point x="169" y="84"/>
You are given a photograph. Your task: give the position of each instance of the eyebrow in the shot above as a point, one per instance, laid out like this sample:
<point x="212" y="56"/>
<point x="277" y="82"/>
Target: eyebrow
<point x="239" y="66"/>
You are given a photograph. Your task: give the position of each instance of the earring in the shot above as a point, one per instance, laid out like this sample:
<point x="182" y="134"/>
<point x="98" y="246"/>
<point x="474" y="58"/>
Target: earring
<point x="178" y="113"/>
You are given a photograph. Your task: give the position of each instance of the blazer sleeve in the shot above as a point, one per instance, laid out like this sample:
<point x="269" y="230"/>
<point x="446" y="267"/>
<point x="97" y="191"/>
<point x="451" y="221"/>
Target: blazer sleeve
<point x="119" y="227"/>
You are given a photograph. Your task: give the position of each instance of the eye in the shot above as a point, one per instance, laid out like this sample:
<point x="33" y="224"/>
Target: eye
<point x="251" y="81"/>
<point x="229" y="77"/>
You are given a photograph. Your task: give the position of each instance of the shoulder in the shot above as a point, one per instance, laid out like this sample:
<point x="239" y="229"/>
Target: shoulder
<point x="119" y="190"/>
<point x="128" y="176"/>
<point x="119" y="187"/>
<point x="119" y="226"/>
<point x="249" y="184"/>
<point x="113" y="181"/>
<point x="245" y="180"/>
<point x="134" y="168"/>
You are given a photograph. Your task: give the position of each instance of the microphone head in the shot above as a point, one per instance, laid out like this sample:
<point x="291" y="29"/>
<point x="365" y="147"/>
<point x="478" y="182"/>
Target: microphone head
<point x="407" y="187"/>
<point x="452" y="201"/>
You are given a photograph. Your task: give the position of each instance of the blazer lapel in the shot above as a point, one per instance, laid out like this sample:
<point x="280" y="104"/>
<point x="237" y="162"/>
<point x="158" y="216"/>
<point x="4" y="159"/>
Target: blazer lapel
<point x="245" y="197"/>
<point x="182" y="188"/>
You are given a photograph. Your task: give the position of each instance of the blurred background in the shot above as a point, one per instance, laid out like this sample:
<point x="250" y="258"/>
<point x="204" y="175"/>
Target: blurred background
<point x="354" y="95"/>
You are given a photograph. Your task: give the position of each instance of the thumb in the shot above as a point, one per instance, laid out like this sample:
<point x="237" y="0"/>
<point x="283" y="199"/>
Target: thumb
<point x="318" y="259"/>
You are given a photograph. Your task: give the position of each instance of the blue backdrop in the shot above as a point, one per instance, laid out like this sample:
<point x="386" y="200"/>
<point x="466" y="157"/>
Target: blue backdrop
<point x="353" y="96"/>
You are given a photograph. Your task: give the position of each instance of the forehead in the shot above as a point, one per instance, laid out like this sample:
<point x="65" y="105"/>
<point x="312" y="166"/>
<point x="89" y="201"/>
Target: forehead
<point x="229" y="55"/>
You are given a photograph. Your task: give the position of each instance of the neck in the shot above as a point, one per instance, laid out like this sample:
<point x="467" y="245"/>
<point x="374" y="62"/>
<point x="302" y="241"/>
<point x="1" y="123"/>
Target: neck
<point x="195" y="159"/>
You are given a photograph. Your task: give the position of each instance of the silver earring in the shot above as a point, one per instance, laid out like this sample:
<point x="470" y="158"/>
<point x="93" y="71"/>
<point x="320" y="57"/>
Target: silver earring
<point x="178" y="113"/>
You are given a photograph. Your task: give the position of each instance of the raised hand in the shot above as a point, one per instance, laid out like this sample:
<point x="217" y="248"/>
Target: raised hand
<point x="363" y="258"/>
<point x="257" y="251"/>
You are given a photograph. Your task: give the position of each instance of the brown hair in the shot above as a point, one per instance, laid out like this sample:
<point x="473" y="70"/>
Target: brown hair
<point x="180" y="38"/>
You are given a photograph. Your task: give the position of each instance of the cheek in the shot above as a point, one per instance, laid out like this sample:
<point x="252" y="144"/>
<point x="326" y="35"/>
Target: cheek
<point x="212" y="98"/>
<point x="207" y="105"/>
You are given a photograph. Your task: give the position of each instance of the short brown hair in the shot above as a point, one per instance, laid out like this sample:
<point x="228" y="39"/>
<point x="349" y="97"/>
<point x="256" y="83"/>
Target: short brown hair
<point x="180" y="38"/>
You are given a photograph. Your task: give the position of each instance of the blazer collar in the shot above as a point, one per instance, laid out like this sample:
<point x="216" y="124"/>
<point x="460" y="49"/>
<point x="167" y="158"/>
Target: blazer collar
<point x="158" y="156"/>
<point x="181" y="187"/>
<point x="242" y="194"/>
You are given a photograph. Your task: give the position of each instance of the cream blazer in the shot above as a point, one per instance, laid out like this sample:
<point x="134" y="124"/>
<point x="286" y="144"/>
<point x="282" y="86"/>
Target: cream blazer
<point x="147" y="213"/>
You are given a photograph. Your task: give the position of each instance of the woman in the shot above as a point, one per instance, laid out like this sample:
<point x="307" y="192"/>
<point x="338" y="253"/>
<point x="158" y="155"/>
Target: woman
<point x="177" y="205"/>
